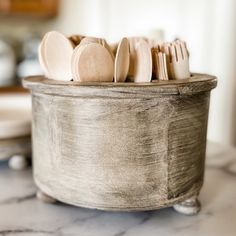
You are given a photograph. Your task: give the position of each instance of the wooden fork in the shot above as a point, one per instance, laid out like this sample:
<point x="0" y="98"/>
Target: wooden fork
<point x="179" y="60"/>
<point x="161" y="66"/>
<point x="159" y="63"/>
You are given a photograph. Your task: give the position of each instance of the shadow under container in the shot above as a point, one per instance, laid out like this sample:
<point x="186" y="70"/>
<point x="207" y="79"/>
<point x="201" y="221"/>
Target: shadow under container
<point x="121" y="146"/>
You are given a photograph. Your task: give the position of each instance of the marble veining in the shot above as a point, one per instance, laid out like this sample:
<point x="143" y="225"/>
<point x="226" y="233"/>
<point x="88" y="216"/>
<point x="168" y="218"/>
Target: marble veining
<point x="22" y="215"/>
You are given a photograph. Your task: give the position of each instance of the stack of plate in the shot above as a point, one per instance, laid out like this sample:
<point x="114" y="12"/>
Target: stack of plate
<point x="15" y="128"/>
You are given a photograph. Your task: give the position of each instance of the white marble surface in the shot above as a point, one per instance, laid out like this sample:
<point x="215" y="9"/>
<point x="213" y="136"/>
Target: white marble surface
<point x="22" y="215"/>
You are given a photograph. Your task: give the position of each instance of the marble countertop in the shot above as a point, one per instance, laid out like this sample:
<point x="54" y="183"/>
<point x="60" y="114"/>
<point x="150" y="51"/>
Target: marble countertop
<point x="21" y="214"/>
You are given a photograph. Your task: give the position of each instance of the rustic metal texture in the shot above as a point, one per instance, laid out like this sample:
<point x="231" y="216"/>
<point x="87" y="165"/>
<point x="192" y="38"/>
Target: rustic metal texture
<point x="120" y="147"/>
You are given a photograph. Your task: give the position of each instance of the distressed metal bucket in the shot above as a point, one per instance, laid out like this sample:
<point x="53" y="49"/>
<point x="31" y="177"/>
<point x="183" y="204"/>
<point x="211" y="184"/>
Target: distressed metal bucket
<point x="121" y="146"/>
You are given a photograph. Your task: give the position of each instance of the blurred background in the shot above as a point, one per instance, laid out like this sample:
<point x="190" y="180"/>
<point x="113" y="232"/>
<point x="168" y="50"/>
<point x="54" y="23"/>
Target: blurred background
<point x="208" y="27"/>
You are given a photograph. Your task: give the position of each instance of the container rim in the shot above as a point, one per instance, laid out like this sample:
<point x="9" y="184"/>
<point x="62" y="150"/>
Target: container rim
<point x="195" y="84"/>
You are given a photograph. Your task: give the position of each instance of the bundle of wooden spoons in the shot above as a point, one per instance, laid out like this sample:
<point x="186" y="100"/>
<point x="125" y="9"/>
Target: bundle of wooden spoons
<point x="92" y="62"/>
<point x="90" y="59"/>
<point x="55" y="52"/>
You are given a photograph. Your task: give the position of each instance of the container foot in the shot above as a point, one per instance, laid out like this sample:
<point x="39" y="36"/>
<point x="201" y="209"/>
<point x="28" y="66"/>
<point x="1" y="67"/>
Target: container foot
<point x="18" y="162"/>
<point x="190" y="206"/>
<point x="44" y="197"/>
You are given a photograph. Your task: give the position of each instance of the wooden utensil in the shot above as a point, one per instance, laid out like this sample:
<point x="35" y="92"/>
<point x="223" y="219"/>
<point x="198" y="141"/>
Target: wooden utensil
<point x="107" y="46"/>
<point x="177" y="60"/>
<point x="92" y="63"/>
<point x="41" y="56"/>
<point x="57" y="51"/>
<point x="142" y="62"/>
<point x="76" y="39"/>
<point x="159" y="63"/>
<point x="154" y="51"/>
<point x="180" y="62"/>
<point x="133" y="41"/>
<point x="114" y="47"/>
<point x="153" y="43"/>
<point x="161" y="72"/>
<point x="165" y="48"/>
<point x="122" y="61"/>
<point x="101" y="41"/>
<point x="132" y="58"/>
<point x="87" y="40"/>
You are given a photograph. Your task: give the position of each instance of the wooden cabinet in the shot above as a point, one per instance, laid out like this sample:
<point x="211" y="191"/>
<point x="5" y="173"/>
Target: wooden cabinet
<point x="35" y="8"/>
<point x="16" y="89"/>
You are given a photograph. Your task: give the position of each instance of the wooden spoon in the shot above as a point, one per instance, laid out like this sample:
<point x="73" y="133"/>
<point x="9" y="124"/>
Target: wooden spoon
<point x="114" y="47"/>
<point x="122" y="61"/>
<point x="143" y="62"/>
<point x="107" y="46"/>
<point x="133" y="41"/>
<point x="41" y="57"/>
<point x="88" y="40"/>
<point x="76" y="39"/>
<point x="101" y="41"/>
<point x="58" y="51"/>
<point x="92" y="63"/>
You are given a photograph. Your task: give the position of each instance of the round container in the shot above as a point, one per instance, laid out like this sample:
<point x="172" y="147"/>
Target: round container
<point x="120" y="146"/>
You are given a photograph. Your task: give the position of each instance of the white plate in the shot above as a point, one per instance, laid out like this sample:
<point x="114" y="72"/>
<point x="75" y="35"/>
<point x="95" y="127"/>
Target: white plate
<point x="15" y="115"/>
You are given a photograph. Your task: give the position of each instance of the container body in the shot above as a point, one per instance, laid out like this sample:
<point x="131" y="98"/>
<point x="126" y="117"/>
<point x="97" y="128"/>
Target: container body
<point x="116" y="150"/>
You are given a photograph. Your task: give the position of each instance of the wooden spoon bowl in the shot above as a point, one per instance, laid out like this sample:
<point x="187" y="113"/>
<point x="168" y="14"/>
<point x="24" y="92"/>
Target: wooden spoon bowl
<point x="57" y="52"/>
<point x="92" y="63"/>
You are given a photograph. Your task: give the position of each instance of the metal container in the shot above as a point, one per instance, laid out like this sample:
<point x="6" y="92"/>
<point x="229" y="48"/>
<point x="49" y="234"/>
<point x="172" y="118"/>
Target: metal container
<point x="121" y="146"/>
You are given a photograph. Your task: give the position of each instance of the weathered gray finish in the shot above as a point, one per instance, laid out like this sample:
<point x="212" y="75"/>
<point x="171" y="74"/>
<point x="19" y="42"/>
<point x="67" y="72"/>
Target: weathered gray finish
<point x="120" y="146"/>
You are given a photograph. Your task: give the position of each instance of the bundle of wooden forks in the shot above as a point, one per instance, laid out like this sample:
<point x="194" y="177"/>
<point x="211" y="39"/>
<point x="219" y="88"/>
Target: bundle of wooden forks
<point x="90" y="59"/>
<point x="171" y="61"/>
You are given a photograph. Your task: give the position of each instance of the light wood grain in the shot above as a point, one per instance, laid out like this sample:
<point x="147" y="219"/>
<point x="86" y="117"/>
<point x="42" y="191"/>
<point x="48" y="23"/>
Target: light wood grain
<point x="132" y="47"/>
<point x="122" y="61"/>
<point x="177" y="59"/>
<point x="92" y="62"/>
<point x="57" y="53"/>
<point x="114" y="47"/>
<point x="101" y="41"/>
<point x="41" y="56"/>
<point x="123" y="146"/>
<point x="142" y="63"/>
<point x="161" y="66"/>
<point x="87" y="40"/>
